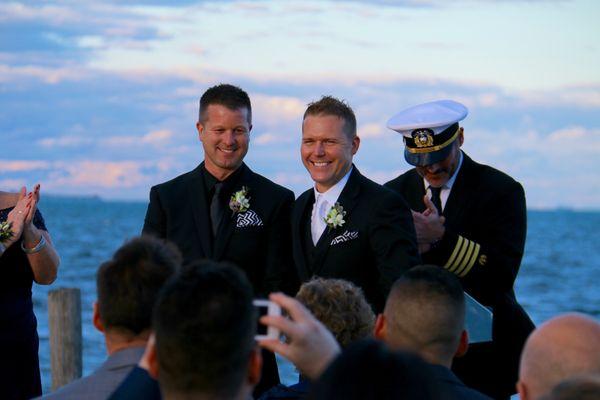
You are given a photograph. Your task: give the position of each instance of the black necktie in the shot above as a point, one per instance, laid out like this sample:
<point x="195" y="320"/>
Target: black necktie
<point x="435" y="198"/>
<point x="216" y="208"/>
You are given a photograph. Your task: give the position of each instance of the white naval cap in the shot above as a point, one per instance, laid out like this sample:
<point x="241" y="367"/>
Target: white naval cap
<point x="428" y="130"/>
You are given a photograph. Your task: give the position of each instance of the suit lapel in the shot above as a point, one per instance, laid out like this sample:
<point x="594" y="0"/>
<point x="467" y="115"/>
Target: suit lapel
<point x="305" y="200"/>
<point x="348" y="200"/>
<point x="414" y="196"/>
<point x="229" y="220"/>
<point x="200" y="210"/>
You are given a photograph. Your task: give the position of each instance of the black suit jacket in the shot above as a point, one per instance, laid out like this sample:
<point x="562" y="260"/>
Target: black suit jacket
<point x="451" y="388"/>
<point x="486" y="225"/>
<point x="372" y="249"/>
<point x="179" y="211"/>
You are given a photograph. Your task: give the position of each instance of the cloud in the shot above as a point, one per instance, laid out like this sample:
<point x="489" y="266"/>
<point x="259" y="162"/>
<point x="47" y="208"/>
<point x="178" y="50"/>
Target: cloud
<point x="372" y="130"/>
<point x="22" y="165"/>
<point x="275" y="109"/>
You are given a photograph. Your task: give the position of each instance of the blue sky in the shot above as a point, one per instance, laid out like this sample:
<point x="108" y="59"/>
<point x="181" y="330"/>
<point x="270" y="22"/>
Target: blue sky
<point x="101" y="97"/>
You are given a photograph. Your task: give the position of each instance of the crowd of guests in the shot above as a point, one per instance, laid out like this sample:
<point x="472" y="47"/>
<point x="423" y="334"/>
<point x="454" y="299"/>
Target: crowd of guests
<point x="188" y="332"/>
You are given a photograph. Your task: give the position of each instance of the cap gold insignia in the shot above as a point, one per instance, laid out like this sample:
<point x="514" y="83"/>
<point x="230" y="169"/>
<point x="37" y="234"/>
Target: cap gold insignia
<point x="482" y="259"/>
<point x="423" y="138"/>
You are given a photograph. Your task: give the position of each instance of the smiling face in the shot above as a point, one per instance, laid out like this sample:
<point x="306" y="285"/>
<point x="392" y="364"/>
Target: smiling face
<point x="224" y="134"/>
<point x="326" y="149"/>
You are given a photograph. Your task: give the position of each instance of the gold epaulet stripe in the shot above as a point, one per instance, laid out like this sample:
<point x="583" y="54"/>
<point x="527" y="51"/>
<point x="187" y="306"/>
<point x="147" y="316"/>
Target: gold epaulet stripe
<point x="454" y="252"/>
<point x="472" y="262"/>
<point x="465" y="260"/>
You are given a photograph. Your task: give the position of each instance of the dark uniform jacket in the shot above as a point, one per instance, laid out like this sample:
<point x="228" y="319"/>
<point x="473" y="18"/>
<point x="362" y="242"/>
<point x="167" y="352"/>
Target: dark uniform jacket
<point x="258" y="240"/>
<point x="374" y="246"/>
<point x="486" y="224"/>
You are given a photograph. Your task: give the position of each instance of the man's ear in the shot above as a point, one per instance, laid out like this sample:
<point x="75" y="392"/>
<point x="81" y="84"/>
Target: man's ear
<point x="96" y="319"/>
<point x="461" y="136"/>
<point x="200" y="129"/>
<point x="149" y="360"/>
<point x="463" y="344"/>
<point x="255" y="366"/>
<point x="355" y="144"/>
<point x="522" y="390"/>
<point x="380" y="327"/>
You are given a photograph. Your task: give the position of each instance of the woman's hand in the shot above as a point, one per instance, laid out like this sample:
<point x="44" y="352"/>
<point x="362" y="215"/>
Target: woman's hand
<point x="31" y="234"/>
<point x="18" y="216"/>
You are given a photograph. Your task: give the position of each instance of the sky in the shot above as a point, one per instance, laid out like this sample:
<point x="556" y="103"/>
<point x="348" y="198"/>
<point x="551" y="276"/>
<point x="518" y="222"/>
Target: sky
<point x="100" y="98"/>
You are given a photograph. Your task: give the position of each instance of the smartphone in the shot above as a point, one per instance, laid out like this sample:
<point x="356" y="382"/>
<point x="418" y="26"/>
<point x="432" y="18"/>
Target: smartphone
<point x="266" y="307"/>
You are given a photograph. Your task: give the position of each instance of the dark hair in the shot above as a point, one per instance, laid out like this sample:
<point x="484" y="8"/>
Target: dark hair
<point x="426" y="306"/>
<point x="341" y="306"/>
<point x="204" y="324"/>
<point x="367" y="369"/>
<point x="226" y="95"/>
<point x="128" y="283"/>
<point x="329" y="105"/>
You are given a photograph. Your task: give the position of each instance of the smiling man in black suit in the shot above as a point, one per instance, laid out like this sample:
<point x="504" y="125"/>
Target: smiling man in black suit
<point x="222" y="210"/>
<point x="347" y="226"/>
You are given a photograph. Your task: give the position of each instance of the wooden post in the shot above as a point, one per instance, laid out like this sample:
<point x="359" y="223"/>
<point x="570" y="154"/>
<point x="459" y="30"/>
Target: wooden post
<point x="64" y="319"/>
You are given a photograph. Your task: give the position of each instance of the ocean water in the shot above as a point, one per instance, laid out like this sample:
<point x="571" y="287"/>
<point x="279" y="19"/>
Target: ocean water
<point x="559" y="273"/>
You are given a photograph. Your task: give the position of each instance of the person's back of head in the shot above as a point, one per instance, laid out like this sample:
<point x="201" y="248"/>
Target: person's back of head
<point x="204" y="325"/>
<point x="368" y="369"/>
<point x="560" y="348"/>
<point x="341" y="306"/>
<point x="583" y="387"/>
<point x="425" y="313"/>
<point x="128" y="285"/>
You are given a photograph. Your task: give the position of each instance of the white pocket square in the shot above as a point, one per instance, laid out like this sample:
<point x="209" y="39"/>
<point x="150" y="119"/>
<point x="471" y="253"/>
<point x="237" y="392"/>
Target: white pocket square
<point x="248" y="218"/>
<point x="344" y="237"/>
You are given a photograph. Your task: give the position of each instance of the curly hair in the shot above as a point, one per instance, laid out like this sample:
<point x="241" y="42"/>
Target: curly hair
<point x="341" y="306"/>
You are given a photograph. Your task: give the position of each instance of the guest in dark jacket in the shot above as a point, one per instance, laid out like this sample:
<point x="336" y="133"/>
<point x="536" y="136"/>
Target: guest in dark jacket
<point x="425" y="313"/>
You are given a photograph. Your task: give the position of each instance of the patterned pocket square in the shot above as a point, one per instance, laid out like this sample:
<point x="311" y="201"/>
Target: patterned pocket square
<point x="248" y="218"/>
<point x="344" y="237"/>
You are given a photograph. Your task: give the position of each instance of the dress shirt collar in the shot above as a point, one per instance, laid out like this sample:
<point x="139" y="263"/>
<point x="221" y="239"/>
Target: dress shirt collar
<point x="210" y="180"/>
<point x="332" y="195"/>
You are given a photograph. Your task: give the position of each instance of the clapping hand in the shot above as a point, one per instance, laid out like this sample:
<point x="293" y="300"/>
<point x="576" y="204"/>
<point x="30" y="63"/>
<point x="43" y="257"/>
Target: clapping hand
<point x="429" y="225"/>
<point x="17" y="217"/>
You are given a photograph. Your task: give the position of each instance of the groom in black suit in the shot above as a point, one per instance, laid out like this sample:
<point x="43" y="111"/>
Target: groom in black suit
<point x="222" y="210"/>
<point x="347" y="226"/>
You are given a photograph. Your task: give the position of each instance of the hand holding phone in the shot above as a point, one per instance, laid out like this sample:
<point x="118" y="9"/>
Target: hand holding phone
<point x="266" y="307"/>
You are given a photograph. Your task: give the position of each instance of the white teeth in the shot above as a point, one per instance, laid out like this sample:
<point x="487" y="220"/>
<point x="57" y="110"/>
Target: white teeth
<point x="227" y="150"/>
<point x="320" y="164"/>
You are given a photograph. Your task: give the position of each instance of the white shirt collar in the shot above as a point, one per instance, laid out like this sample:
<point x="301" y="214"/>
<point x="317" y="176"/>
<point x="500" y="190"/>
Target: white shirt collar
<point x="334" y="192"/>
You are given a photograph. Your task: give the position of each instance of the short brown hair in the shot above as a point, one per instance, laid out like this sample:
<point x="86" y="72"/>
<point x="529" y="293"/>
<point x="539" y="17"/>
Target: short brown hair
<point x="329" y="105"/>
<point x="340" y="306"/>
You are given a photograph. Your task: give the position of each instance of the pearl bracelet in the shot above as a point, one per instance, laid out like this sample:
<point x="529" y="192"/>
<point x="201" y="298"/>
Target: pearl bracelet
<point x="41" y="244"/>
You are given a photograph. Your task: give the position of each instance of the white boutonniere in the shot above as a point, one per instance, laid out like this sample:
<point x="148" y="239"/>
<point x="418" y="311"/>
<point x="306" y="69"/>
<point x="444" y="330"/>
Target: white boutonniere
<point x="335" y="216"/>
<point x="240" y="202"/>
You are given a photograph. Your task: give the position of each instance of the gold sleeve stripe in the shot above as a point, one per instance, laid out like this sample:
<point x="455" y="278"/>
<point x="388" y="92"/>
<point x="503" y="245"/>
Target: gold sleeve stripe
<point x="458" y="261"/>
<point x="472" y="262"/>
<point x="465" y="260"/>
<point x="454" y="252"/>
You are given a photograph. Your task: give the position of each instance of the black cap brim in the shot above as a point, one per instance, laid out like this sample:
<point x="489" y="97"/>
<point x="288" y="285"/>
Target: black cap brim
<point x="423" y="159"/>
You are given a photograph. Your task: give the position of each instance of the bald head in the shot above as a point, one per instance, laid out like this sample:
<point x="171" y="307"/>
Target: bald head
<point x="425" y="313"/>
<point x="562" y="347"/>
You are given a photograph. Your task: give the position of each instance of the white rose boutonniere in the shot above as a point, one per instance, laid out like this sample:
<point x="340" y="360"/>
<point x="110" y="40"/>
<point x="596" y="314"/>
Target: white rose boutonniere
<point x="240" y="202"/>
<point x="335" y="216"/>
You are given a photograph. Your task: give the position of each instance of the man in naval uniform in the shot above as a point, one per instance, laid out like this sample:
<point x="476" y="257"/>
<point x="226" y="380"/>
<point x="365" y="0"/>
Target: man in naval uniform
<point x="471" y="220"/>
